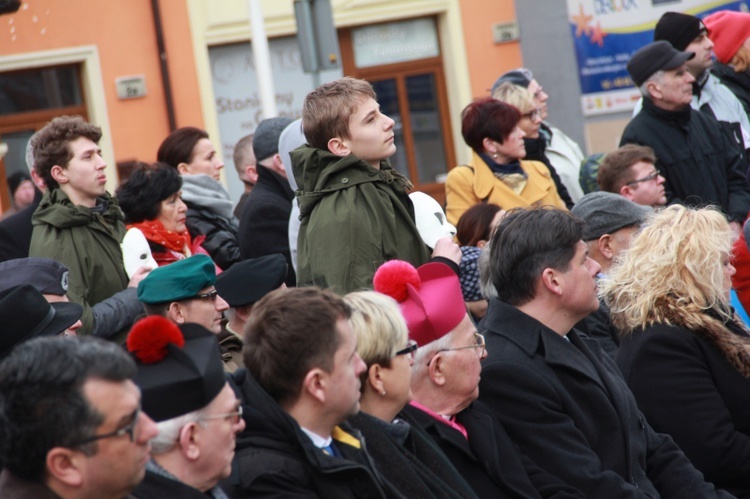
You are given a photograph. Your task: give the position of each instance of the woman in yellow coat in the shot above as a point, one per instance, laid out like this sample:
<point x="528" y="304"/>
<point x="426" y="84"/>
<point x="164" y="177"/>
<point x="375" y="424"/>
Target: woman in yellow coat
<point x="496" y="173"/>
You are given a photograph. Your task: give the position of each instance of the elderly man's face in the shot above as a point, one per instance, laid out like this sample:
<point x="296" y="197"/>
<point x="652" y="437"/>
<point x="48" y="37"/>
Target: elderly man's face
<point x="674" y="89"/>
<point x="219" y="434"/>
<point x="463" y="366"/>
<point x="118" y="464"/>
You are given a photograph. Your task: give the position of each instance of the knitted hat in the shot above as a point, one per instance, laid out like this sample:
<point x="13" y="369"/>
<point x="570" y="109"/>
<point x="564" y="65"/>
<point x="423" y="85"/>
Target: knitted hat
<point x="248" y="281"/>
<point x="180" y="280"/>
<point x="430" y="297"/>
<point x="678" y="29"/>
<point x="729" y="30"/>
<point x="179" y="369"/>
<point x="46" y="275"/>
<point x="606" y="213"/>
<point x="266" y="137"/>
<point x="655" y="57"/>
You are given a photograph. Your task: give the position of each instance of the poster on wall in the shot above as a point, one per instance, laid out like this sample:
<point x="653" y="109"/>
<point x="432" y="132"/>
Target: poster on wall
<point x="605" y="35"/>
<point x="238" y="105"/>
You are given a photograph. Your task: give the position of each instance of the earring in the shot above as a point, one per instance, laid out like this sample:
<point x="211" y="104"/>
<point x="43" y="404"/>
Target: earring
<point x="383" y="393"/>
<point x="494" y="156"/>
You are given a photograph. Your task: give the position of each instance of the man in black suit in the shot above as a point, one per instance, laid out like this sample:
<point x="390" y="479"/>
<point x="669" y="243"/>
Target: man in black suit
<point x="561" y="399"/>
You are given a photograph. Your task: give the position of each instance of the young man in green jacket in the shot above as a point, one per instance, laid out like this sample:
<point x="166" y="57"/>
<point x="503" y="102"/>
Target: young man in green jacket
<point x="81" y="226"/>
<point x="354" y="208"/>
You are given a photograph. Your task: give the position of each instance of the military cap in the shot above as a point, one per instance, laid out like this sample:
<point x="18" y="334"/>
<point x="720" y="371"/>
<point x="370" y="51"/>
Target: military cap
<point x="177" y="281"/>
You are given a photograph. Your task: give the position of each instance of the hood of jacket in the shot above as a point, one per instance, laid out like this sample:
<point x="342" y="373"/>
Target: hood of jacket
<point x="57" y="210"/>
<point x="320" y="173"/>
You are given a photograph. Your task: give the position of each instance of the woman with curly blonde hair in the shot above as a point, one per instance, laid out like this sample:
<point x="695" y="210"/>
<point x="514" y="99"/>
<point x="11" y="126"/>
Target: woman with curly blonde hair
<point x="683" y="354"/>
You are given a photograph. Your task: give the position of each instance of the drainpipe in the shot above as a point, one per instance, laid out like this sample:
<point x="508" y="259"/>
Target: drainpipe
<point x="166" y="84"/>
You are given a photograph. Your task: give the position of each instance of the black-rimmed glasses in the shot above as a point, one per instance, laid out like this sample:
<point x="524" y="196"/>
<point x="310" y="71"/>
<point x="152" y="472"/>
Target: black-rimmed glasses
<point x="479" y="345"/>
<point x="211" y="295"/>
<point x="533" y="114"/>
<point x="647" y="178"/>
<point x="128" y="429"/>
<point x="235" y="416"/>
<point x="409" y="350"/>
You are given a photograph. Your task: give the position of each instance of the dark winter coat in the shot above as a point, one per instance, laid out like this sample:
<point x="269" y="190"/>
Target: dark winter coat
<point x="354" y="219"/>
<point x="264" y="221"/>
<point x="565" y="404"/>
<point x="488" y="460"/>
<point x="700" y="163"/>
<point x="15" y="232"/>
<point x="535" y="151"/>
<point x="409" y="460"/>
<point x="686" y="387"/>
<point x="275" y="458"/>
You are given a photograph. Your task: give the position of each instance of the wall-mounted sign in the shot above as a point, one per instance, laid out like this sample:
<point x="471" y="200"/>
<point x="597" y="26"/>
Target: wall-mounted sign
<point x="131" y="87"/>
<point x="395" y="42"/>
<point x="506" y="32"/>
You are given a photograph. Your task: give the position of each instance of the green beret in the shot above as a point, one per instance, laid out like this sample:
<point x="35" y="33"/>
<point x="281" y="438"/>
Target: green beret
<point x="180" y="280"/>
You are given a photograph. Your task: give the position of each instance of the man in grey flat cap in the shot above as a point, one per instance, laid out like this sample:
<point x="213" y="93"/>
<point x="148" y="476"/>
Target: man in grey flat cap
<point x="611" y="220"/>
<point x="700" y="163"/>
<point x="264" y="222"/>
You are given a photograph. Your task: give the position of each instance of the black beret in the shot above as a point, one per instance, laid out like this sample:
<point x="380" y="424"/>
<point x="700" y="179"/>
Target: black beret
<point x="248" y="281"/>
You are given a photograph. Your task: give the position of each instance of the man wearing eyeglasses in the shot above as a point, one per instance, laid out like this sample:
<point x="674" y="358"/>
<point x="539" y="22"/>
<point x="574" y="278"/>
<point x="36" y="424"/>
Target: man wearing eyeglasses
<point x="197" y="414"/>
<point x="562" y="400"/>
<point x="445" y="385"/>
<point x="630" y="172"/>
<point x="184" y="292"/>
<point x="70" y="421"/>
<point x="700" y="161"/>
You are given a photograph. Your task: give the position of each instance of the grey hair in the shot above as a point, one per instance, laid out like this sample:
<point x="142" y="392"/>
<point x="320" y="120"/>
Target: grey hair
<point x="656" y="77"/>
<point x="169" y="431"/>
<point x="424" y="353"/>
<point x="486" y="287"/>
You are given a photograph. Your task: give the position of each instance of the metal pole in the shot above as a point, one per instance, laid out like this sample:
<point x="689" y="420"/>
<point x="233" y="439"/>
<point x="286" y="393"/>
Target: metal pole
<point x="311" y="42"/>
<point x="263" y="72"/>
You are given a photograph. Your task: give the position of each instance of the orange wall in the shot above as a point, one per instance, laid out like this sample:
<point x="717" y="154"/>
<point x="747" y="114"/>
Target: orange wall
<point x="487" y="60"/>
<point x="125" y="35"/>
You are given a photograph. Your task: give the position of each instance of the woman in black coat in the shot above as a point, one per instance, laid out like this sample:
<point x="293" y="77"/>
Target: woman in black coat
<point x="404" y="456"/>
<point x="683" y="354"/>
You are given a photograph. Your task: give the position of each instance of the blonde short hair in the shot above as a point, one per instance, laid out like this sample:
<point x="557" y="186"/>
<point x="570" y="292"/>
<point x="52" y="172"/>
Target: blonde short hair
<point x="515" y="95"/>
<point x="380" y="328"/>
<point x="676" y="259"/>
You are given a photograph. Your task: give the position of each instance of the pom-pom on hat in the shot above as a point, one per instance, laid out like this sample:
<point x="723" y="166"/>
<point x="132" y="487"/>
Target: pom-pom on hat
<point x="430" y="297"/>
<point x="729" y="30"/>
<point x="179" y="368"/>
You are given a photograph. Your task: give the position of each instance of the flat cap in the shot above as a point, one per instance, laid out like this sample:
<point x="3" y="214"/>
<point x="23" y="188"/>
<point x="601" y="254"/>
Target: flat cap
<point x="266" y="137"/>
<point x="248" y="281"/>
<point x="46" y="275"/>
<point x="180" y="280"/>
<point x="655" y="57"/>
<point x="606" y="213"/>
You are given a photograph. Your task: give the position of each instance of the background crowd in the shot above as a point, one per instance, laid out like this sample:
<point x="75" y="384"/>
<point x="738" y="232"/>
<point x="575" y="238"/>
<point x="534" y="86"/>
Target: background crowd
<point x="565" y="327"/>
